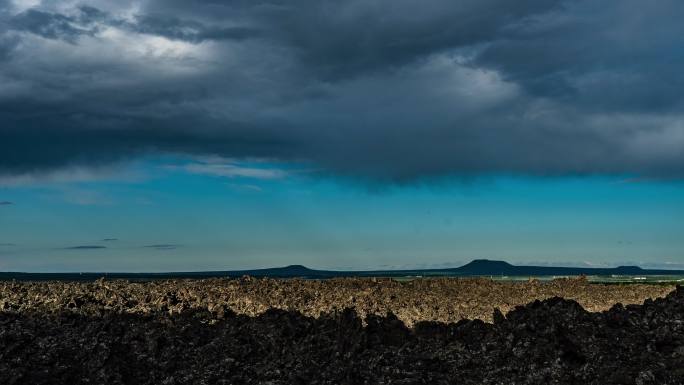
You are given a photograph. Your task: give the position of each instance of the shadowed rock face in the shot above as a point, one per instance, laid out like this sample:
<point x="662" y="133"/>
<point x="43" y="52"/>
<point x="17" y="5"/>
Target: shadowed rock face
<point x="544" y="342"/>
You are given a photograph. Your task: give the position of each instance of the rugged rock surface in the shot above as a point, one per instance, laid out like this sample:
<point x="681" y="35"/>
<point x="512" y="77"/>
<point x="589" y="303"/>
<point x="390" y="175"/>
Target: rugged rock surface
<point x="78" y="337"/>
<point x="443" y="300"/>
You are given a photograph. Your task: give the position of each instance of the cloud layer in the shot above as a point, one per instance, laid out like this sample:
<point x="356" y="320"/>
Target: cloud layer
<point x="163" y="246"/>
<point x="384" y="89"/>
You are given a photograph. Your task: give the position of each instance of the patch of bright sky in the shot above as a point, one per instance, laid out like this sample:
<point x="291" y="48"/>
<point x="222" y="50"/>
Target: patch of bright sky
<point x="261" y="213"/>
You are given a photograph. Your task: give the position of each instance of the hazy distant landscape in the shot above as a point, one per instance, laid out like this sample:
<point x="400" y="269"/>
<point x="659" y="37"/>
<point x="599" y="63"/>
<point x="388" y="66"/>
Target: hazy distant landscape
<point x="498" y="270"/>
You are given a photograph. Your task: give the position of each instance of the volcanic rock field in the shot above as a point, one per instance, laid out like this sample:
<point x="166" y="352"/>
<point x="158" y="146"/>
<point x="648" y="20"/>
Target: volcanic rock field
<point x="340" y="331"/>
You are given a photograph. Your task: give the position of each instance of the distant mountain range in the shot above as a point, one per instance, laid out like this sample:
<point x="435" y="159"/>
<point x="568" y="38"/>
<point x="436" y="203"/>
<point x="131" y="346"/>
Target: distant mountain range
<point x="478" y="267"/>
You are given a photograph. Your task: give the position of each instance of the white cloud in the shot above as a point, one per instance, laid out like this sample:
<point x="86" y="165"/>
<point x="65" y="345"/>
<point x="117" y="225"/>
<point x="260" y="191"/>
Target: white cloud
<point x="150" y="47"/>
<point x="22" y="5"/>
<point x="230" y="168"/>
<point x="233" y="171"/>
<point x="71" y="175"/>
<point x="249" y="188"/>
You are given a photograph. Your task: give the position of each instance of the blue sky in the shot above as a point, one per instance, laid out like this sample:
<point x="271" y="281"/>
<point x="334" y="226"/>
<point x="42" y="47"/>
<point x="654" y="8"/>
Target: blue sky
<point x="182" y="213"/>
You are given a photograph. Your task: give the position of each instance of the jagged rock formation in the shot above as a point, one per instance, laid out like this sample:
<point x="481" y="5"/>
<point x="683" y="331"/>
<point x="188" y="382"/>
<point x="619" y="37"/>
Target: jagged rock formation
<point x="443" y="300"/>
<point x="179" y="332"/>
<point x="554" y="341"/>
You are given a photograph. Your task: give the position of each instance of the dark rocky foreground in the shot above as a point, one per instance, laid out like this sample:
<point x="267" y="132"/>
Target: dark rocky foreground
<point x="81" y="339"/>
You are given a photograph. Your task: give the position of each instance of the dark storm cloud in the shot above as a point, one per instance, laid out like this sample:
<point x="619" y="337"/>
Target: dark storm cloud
<point x="178" y="29"/>
<point x="616" y="57"/>
<point x="88" y="20"/>
<point x="7" y="45"/>
<point x="85" y="247"/>
<point x="48" y="25"/>
<point x="385" y="89"/>
<point x="36" y="148"/>
<point x="340" y="39"/>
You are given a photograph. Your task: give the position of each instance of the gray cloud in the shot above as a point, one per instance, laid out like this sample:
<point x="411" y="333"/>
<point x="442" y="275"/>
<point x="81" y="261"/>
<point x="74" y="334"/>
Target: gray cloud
<point x="164" y="246"/>
<point x="383" y="90"/>
<point x="6" y="203"/>
<point x="85" y="247"/>
<point x="340" y="39"/>
<point x="49" y="25"/>
<point x="110" y="239"/>
<point x="195" y="32"/>
<point x="89" y="21"/>
<point x="7" y="45"/>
